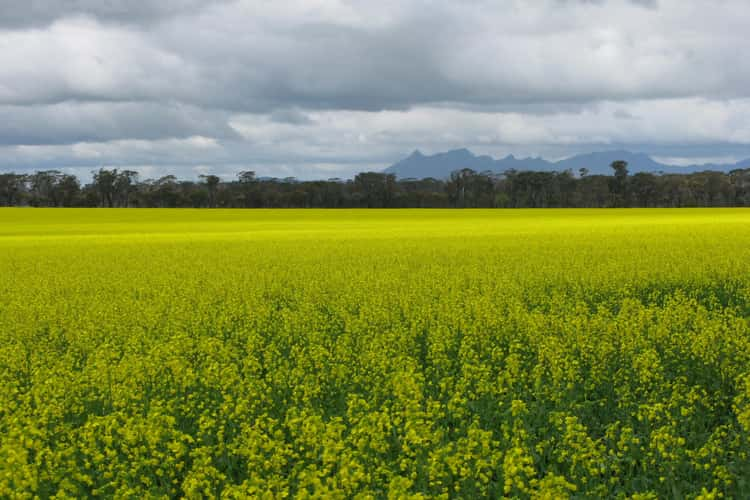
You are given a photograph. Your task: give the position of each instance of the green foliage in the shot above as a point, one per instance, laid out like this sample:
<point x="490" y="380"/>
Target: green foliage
<point x="375" y="354"/>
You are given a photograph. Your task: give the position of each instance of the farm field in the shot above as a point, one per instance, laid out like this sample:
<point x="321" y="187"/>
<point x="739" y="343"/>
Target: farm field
<point x="375" y="353"/>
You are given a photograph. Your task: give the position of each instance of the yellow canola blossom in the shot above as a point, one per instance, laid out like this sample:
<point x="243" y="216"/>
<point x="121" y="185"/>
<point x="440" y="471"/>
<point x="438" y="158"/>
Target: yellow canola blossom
<point x="375" y="354"/>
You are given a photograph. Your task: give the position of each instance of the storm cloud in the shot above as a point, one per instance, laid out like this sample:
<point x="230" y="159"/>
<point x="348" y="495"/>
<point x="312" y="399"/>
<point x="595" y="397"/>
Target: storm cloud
<point x="317" y="88"/>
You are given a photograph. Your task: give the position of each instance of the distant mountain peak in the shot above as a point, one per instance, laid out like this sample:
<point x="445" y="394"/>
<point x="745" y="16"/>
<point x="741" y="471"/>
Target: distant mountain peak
<point x="462" y="152"/>
<point x="440" y="165"/>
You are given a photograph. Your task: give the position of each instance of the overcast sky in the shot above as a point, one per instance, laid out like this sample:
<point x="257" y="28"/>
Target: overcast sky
<point x="326" y="88"/>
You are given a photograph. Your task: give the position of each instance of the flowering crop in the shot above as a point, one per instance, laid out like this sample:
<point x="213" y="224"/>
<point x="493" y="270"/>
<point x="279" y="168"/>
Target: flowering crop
<point x="375" y="354"/>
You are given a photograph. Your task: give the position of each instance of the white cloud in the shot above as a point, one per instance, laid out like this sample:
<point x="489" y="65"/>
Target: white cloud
<point x="662" y="121"/>
<point x="79" y="58"/>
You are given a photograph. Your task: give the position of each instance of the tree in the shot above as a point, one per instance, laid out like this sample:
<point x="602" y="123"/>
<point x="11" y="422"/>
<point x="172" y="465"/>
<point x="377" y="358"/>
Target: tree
<point x="69" y="190"/>
<point x="594" y="191"/>
<point x="104" y="183"/>
<point x="644" y="189"/>
<point x="619" y="182"/>
<point x="458" y="184"/>
<point x="11" y="187"/>
<point x="247" y="182"/>
<point x="124" y="185"/>
<point x="566" y="187"/>
<point x="740" y="180"/>
<point x="375" y="188"/>
<point x="54" y="188"/>
<point x="464" y="188"/>
<point x="43" y="187"/>
<point x="166" y="191"/>
<point x="212" y="183"/>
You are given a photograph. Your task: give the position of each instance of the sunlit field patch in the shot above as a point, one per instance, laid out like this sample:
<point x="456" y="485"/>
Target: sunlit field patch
<point x="476" y="353"/>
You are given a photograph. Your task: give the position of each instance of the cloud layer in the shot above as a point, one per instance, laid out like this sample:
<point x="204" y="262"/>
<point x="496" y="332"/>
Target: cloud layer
<point x="316" y="88"/>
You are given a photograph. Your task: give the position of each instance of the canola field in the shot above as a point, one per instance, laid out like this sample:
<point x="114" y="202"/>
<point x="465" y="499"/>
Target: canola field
<point x="375" y="354"/>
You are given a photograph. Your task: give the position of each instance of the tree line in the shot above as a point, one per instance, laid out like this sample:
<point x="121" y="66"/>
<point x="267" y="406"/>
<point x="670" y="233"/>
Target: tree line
<point x="465" y="188"/>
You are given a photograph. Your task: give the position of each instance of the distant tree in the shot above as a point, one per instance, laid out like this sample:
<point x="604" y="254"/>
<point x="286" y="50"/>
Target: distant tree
<point x="594" y="191"/>
<point x="421" y="193"/>
<point x="212" y="184"/>
<point x="69" y="190"/>
<point x="644" y="189"/>
<point x="740" y="181"/>
<point x="247" y="181"/>
<point x="246" y="176"/>
<point x="166" y="191"/>
<point x="619" y="182"/>
<point x="11" y="187"/>
<point x="711" y="189"/>
<point x="536" y="189"/>
<point x="458" y="185"/>
<point x="566" y="187"/>
<point x="125" y="184"/>
<point x="375" y="188"/>
<point x="105" y="184"/>
<point x="43" y="187"/>
<point x="464" y="188"/>
<point x="53" y="188"/>
<point x="332" y="193"/>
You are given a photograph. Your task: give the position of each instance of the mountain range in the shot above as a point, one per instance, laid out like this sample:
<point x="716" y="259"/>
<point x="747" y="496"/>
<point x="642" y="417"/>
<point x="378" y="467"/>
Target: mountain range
<point x="440" y="165"/>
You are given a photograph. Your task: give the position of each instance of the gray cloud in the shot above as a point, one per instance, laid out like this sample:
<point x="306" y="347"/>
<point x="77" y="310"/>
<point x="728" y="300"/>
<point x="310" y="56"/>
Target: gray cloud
<point x="240" y="57"/>
<point x="33" y="13"/>
<point x="624" y="115"/>
<point x="651" y="4"/>
<point x="352" y="82"/>
<point x="291" y="116"/>
<point x="71" y="122"/>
